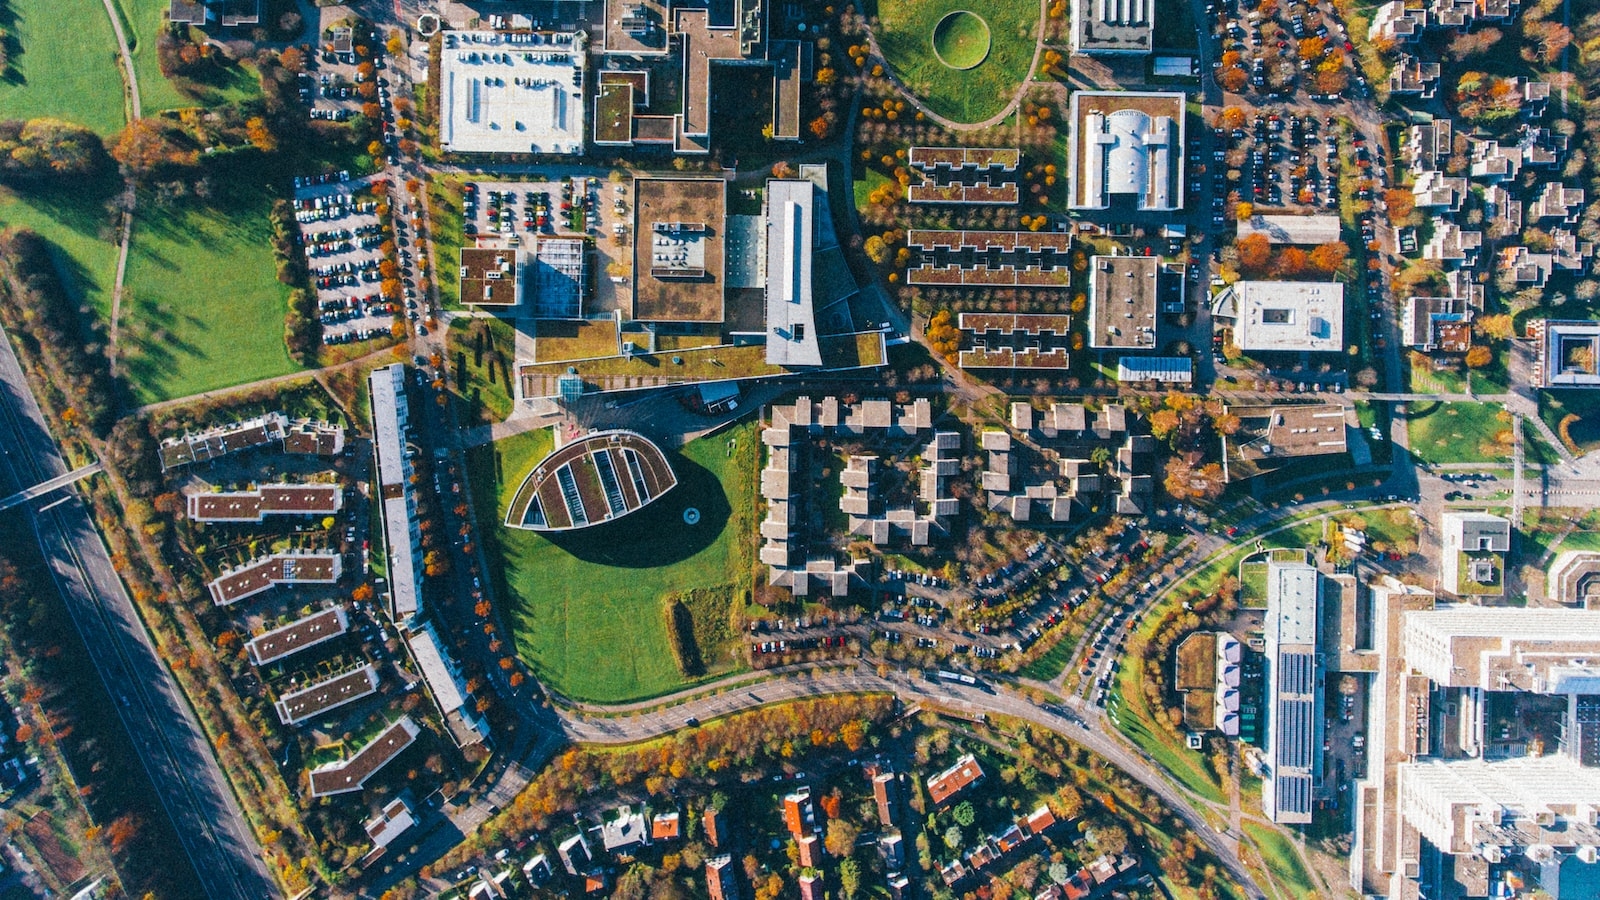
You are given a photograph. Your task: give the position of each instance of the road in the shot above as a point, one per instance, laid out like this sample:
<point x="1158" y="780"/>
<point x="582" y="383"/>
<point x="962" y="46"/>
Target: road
<point x="159" y="721"/>
<point x="912" y="689"/>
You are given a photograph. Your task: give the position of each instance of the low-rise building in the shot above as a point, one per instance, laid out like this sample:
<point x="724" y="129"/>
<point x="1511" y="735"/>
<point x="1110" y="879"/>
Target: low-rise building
<point x="288" y="567"/>
<point x="1473" y="555"/>
<point x="1568" y="353"/>
<point x="1294" y="682"/>
<point x="308" y="631"/>
<point x="393" y="820"/>
<point x="402" y="533"/>
<point x="326" y="695"/>
<point x="351" y="774"/>
<point x="950" y="783"/>
<point x="255" y="505"/>
<point x="1127" y="147"/>
<point x="465" y="724"/>
<point x="1284" y="316"/>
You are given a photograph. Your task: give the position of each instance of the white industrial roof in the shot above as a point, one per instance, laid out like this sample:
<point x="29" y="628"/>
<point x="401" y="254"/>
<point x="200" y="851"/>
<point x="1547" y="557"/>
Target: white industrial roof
<point x="1287" y="315"/>
<point x="791" y="318"/>
<point x="511" y="93"/>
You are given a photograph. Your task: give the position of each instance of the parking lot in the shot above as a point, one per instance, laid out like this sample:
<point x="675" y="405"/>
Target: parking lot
<point x="1283" y="160"/>
<point x="342" y="239"/>
<point x="518" y="211"/>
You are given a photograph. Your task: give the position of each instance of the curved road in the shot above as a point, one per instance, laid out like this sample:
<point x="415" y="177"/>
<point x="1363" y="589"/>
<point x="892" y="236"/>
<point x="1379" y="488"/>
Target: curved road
<point x="912" y="690"/>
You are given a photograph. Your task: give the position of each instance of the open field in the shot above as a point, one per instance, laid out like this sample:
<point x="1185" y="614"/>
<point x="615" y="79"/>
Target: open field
<point x="1554" y="406"/>
<point x="64" y="61"/>
<point x="1456" y="432"/>
<point x="204" y="308"/>
<point x="445" y="216"/>
<point x="1282" y="862"/>
<point x="142" y="23"/>
<point x="905" y="35"/>
<point x="573" y="600"/>
<point x="74" y="220"/>
<point x="480" y="379"/>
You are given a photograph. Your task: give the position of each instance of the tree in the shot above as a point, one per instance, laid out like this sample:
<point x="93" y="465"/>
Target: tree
<point x="876" y="250"/>
<point x="1479" y="356"/>
<point x="841" y="837"/>
<point x="1498" y="327"/>
<point x="849" y="879"/>
<point x="953" y="837"/>
<point x="1292" y="261"/>
<point x="1255" y="252"/>
<point x="820" y="127"/>
<point x="1109" y="840"/>
<point x="1232" y="79"/>
<point x="260" y="136"/>
<point x="964" y="814"/>
<point x="1400" y="202"/>
<point x="1328" y="257"/>
<point x="292" y="59"/>
<point x="1244" y="210"/>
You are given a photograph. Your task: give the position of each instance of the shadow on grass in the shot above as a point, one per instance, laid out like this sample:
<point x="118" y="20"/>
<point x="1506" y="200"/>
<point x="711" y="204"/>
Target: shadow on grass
<point x="657" y="535"/>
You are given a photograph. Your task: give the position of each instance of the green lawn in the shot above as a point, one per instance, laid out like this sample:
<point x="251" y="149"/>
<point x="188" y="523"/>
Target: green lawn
<point x="445" y="218"/>
<point x="1253" y="583"/>
<point x="485" y="398"/>
<point x="905" y="35"/>
<point x="586" y="608"/>
<point x="1456" y="432"/>
<point x="1282" y="862"/>
<point x="64" y="64"/>
<point x="1556" y="405"/>
<point x="203" y="307"/>
<point x="143" y="21"/>
<point x="73" y="219"/>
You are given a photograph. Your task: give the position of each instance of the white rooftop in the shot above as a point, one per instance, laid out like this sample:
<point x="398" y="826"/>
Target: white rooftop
<point x="1286" y="315"/>
<point x="511" y="93"/>
<point x="791" y="318"/>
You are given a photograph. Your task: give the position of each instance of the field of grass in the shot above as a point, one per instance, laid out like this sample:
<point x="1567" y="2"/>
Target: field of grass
<point x="486" y="398"/>
<point x="1557" y="405"/>
<point x="1281" y="860"/>
<point x="203" y="307"/>
<point x="445" y="217"/>
<point x="1253" y="583"/>
<point x="1456" y="432"/>
<point x="64" y="64"/>
<point x="142" y="23"/>
<point x="74" y="220"/>
<point x="905" y="35"/>
<point x="585" y="608"/>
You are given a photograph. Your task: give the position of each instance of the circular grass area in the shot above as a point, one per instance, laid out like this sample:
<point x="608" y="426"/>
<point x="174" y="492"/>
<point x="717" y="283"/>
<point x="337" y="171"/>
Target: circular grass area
<point x="961" y="40"/>
<point x="966" y="80"/>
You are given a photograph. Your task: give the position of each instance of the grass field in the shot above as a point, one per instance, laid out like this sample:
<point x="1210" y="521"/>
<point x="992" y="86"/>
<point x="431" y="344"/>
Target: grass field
<point x="585" y="609"/>
<point x="487" y="399"/>
<point x="905" y="34"/>
<point x="1557" y="405"/>
<point x="73" y="219"/>
<point x="1282" y="862"/>
<point x="143" y="21"/>
<point x="961" y="39"/>
<point x="1456" y="432"/>
<point x="64" y="61"/>
<point x="203" y="307"/>
<point x="445" y="217"/>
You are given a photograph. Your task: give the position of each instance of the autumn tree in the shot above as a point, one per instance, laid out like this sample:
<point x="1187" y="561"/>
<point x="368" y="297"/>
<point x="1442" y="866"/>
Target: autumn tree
<point x="1400" y="202"/>
<point x="1479" y="356"/>
<point x="841" y="836"/>
<point x="1291" y="262"/>
<point x="1255" y="252"/>
<point x="1328" y="257"/>
<point x="1498" y="327"/>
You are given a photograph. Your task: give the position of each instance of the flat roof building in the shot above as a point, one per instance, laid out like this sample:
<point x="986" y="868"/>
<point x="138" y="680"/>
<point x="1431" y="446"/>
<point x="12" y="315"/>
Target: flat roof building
<point x="1284" y="316"/>
<point x="392" y="821"/>
<point x="349" y="775"/>
<point x="1270" y="436"/>
<point x="222" y="440"/>
<point x="1126" y="145"/>
<point x="1294" y="685"/>
<point x="558" y="277"/>
<point x="326" y="695"/>
<point x="1034" y="341"/>
<point x="305" y="632"/>
<point x="1122" y="303"/>
<point x="449" y="690"/>
<point x="511" y="92"/>
<point x="1458" y="796"/>
<point x="1301" y="230"/>
<point x="791" y="317"/>
<point x="964" y="175"/>
<point x="1113" y="27"/>
<point x="253" y="506"/>
<point x="1569" y="353"/>
<point x="679" y="229"/>
<point x="491" y="276"/>
<point x="288" y="567"/>
<point x="402" y="535"/>
<point x="1472" y="553"/>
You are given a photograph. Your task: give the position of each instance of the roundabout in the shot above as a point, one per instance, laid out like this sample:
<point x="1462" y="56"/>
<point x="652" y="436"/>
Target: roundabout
<point x="961" y="40"/>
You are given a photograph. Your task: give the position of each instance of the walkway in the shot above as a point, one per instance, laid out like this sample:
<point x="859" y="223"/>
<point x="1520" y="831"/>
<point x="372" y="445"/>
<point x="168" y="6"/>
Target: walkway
<point x="45" y="487"/>
<point x="916" y="101"/>
<point x="288" y="378"/>
<point x="135" y="112"/>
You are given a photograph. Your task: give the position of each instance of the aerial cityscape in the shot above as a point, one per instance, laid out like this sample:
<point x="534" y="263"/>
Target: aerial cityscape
<point x="840" y="450"/>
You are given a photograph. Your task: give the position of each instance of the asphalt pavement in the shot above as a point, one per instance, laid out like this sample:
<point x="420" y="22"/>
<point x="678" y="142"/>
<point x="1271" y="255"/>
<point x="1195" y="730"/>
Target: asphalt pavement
<point x="161" y="725"/>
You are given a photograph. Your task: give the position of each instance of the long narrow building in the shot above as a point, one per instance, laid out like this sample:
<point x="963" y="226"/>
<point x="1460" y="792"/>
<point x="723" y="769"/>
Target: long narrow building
<point x="402" y="537"/>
